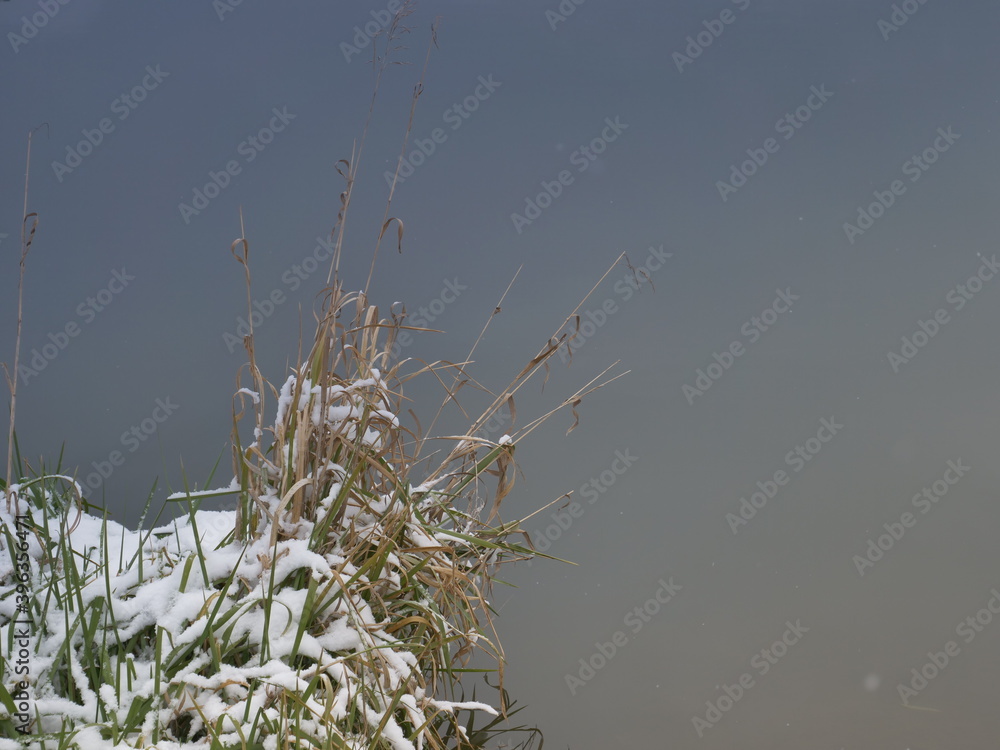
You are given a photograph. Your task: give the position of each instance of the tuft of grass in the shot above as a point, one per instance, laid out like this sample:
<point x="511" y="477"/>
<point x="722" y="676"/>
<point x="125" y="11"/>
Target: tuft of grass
<point x="336" y="604"/>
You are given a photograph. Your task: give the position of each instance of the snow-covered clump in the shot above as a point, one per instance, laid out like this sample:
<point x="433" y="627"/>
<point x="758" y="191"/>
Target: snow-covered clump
<point x="329" y="603"/>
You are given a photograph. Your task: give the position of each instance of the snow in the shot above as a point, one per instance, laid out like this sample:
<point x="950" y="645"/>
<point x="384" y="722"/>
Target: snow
<point x="161" y="601"/>
<point x="192" y="571"/>
<point x="234" y="486"/>
<point x="252" y="394"/>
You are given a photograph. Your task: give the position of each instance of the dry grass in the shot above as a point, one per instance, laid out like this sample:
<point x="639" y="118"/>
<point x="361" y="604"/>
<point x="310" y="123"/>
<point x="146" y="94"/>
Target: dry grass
<point x="406" y="568"/>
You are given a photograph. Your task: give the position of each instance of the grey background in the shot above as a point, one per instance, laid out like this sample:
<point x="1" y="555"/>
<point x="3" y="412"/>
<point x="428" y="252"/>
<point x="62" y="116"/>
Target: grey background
<point x="655" y="185"/>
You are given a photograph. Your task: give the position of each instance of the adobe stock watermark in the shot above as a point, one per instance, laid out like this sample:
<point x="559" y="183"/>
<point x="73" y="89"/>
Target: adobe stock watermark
<point x="787" y="126"/>
<point x="591" y="321"/>
<point x="958" y="297"/>
<point x="31" y="25"/>
<point x="899" y="17"/>
<point x="699" y="42"/>
<point x="753" y="329"/>
<point x="292" y="277"/>
<point x="223" y="8"/>
<point x="131" y="440"/>
<point x="914" y="168"/>
<point x="938" y="661"/>
<point x="563" y="11"/>
<point x="122" y="106"/>
<point x="635" y="620"/>
<point x="363" y="35"/>
<point x="796" y="459"/>
<point x="58" y="340"/>
<point x="761" y="662"/>
<point x="592" y="490"/>
<point x="493" y="425"/>
<point x="923" y="501"/>
<point x="20" y="655"/>
<point x="427" y="314"/>
<point x="455" y="116"/>
<point x="581" y="158"/>
<point x="249" y="149"/>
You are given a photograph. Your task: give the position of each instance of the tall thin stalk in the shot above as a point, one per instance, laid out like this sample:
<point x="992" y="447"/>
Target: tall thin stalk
<point x="26" y="238"/>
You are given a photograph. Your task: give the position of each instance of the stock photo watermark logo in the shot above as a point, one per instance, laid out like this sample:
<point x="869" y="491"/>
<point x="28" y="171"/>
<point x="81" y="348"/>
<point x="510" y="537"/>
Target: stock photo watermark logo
<point x="131" y="440"/>
<point x="958" y="297"/>
<point x="494" y="424"/>
<point x="787" y="126"/>
<point x="292" y="277"/>
<point x="702" y="40"/>
<point x="562" y="12"/>
<point x="593" y="490"/>
<point x="938" y="661"/>
<point x="363" y="35"/>
<point x="635" y="620"/>
<point x="223" y="7"/>
<point x="427" y="314"/>
<point x="761" y="663"/>
<point x="753" y="329"/>
<point x="31" y="25"/>
<point x="455" y="116"/>
<point x="915" y="167"/>
<point x="900" y="16"/>
<point x="21" y="649"/>
<point x="923" y="501"/>
<point x="581" y="158"/>
<point x="40" y="357"/>
<point x="796" y="459"/>
<point x="122" y="106"/>
<point x="249" y="149"/>
<point x="591" y="321"/>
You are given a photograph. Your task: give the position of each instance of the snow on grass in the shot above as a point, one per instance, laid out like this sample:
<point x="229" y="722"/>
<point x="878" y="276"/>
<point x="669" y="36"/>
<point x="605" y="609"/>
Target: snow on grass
<point x="210" y="635"/>
<point x="336" y="605"/>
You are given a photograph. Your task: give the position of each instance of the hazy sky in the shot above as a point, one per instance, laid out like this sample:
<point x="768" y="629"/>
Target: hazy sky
<point x="801" y="462"/>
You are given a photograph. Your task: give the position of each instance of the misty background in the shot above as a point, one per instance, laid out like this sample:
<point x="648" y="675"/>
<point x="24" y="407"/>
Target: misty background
<point x="737" y="138"/>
